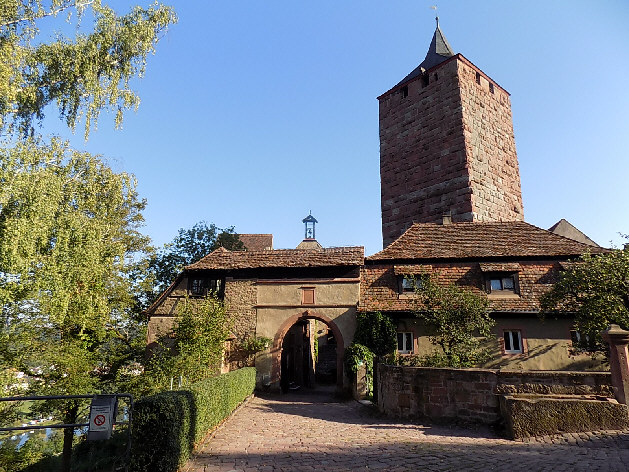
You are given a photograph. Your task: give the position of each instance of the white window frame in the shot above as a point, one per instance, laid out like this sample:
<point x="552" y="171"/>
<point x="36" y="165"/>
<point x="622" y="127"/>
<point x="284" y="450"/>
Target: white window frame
<point x="509" y="333"/>
<point x="405" y="348"/>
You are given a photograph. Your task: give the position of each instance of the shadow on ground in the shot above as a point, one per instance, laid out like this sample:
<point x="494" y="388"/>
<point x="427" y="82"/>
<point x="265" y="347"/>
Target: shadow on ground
<point x="426" y="456"/>
<point x="323" y="404"/>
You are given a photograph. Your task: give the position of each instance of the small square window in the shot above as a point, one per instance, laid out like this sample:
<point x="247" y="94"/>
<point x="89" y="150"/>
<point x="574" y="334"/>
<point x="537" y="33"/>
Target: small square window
<point x="502" y="284"/>
<point x="307" y="296"/>
<point x="405" y="343"/>
<point x="409" y="283"/>
<point x="513" y="342"/>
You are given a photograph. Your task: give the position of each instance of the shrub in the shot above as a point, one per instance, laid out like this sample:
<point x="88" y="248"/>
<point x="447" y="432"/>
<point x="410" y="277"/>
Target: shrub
<point x="377" y="332"/>
<point x="167" y="425"/>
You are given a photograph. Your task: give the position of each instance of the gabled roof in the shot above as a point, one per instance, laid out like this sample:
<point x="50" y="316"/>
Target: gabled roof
<point x="438" y="51"/>
<point x="257" y="242"/>
<point x="564" y="228"/>
<point x="223" y="259"/>
<point x="479" y="240"/>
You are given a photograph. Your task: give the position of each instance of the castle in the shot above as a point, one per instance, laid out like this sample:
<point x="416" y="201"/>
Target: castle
<point x="451" y="206"/>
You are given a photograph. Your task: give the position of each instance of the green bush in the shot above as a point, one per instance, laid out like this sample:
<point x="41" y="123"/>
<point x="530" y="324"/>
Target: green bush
<point x="167" y="425"/>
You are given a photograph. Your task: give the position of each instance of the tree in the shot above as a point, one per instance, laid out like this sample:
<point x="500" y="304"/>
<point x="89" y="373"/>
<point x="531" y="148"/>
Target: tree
<point x="68" y="224"/>
<point x="458" y="318"/>
<point x="82" y="75"/>
<point x="200" y="332"/>
<point x="596" y="290"/>
<point x="189" y="246"/>
<point x="68" y="236"/>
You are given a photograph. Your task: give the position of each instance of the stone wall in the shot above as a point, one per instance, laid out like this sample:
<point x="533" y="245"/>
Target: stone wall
<point x="240" y="301"/>
<point x="490" y="147"/>
<point x="446" y="144"/>
<point x="472" y="394"/>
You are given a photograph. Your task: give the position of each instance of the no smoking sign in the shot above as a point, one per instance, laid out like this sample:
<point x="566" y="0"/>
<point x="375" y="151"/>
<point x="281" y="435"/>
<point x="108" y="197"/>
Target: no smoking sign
<point x="99" y="420"/>
<point x="102" y="417"/>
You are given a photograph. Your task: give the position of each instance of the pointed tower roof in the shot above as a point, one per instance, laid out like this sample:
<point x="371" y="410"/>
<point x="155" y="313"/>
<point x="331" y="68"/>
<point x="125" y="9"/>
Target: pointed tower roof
<point x="438" y="51"/>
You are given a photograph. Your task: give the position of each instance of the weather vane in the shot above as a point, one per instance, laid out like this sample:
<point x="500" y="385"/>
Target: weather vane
<point x="434" y="7"/>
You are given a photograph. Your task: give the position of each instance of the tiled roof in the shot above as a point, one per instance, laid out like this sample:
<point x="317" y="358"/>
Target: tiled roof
<point x="480" y="240"/>
<point x="224" y="259"/>
<point x="257" y="242"/>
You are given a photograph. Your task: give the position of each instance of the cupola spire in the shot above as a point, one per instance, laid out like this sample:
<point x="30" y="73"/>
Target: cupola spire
<point x="438" y="51"/>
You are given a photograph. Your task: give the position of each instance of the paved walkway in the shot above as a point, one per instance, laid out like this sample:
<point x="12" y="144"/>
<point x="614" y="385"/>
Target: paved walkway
<point x="306" y="432"/>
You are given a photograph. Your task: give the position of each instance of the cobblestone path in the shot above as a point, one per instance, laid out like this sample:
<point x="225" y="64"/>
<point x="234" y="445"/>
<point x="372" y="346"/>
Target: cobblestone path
<point x="307" y="433"/>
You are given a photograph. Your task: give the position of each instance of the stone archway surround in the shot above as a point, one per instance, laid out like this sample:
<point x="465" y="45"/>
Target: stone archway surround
<point x="276" y="349"/>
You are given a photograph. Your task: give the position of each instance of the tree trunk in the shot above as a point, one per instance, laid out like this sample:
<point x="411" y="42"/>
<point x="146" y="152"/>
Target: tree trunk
<point x="68" y="437"/>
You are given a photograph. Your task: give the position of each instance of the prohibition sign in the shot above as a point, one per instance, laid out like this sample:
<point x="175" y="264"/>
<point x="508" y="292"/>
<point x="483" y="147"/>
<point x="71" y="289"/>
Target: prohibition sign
<point x="99" y="420"/>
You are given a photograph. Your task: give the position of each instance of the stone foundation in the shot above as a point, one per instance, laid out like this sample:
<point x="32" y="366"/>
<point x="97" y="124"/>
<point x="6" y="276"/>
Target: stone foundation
<point x="535" y="415"/>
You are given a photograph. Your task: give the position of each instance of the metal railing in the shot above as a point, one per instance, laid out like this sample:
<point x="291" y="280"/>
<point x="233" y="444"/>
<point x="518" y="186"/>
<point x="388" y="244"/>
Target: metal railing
<point x="128" y="421"/>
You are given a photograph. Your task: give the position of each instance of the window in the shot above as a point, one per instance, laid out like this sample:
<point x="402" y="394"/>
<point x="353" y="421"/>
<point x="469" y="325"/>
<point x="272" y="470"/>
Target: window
<point x="405" y="343"/>
<point x="491" y="87"/>
<point x="198" y="287"/>
<point x="583" y="342"/>
<point x="478" y="78"/>
<point x="405" y="91"/>
<point x="307" y="296"/>
<point x="513" y="342"/>
<point x="502" y="284"/>
<point x="408" y="284"/>
<point x="201" y="287"/>
<point x="425" y="80"/>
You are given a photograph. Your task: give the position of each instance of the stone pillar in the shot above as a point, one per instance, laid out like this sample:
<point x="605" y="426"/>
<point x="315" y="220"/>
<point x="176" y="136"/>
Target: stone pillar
<point x="359" y="390"/>
<point x="618" y="339"/>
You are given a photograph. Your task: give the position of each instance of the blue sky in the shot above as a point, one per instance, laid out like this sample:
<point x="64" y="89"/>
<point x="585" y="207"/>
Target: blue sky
<point x="254" y="113"/>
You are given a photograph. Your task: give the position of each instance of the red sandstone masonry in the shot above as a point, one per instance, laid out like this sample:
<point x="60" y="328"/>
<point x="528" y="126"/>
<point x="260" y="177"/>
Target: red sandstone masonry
<point x="472" y="394"/>
<point x="447" y="146"/>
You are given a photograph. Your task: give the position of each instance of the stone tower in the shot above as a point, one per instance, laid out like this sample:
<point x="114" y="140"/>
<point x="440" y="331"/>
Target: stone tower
<point x="446" y="146"/>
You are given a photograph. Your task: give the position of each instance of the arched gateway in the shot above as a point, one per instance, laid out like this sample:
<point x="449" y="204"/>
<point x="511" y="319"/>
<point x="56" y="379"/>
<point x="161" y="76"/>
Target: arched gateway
<point x="280" y="362"/>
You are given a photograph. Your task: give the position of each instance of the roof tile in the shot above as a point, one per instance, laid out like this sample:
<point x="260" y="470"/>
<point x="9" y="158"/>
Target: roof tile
<point x="224" y="259"/>
<point x="257" y="242"/>
<point x="480" y="240"/>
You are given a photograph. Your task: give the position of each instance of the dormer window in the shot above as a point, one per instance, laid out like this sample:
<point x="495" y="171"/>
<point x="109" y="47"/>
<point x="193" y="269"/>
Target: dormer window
<point x="410" y="278"/>
<point x="409" y="283"/>
<point x="501" y="278"/>
<point x="502" y="284"/>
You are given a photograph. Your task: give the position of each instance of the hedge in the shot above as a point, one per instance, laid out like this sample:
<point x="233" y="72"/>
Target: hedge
<point x="166" y="426"/>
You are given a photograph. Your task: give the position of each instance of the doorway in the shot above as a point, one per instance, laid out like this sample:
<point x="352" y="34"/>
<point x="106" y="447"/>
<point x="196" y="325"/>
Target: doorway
<point x="309" y="350"/>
